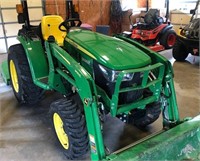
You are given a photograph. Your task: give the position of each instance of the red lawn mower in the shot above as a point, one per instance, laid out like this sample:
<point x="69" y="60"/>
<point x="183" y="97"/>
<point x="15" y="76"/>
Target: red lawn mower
<point x="153" y="31"/>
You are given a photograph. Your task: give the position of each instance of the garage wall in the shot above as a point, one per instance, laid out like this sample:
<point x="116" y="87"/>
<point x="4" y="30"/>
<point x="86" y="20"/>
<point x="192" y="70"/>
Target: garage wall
<point x="8" y="20"/>
<point x="142" y="3"/>
<point x="95" y="12"/>
<point x="92" y="12"/>
<point x="55" y="7"/>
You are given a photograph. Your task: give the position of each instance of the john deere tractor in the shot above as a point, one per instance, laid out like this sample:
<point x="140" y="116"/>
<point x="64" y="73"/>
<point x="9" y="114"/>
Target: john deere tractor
<point x="108" y="75"/>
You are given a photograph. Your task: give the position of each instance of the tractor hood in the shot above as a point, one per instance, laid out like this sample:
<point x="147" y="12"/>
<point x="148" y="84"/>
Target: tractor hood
<point x="108" y="51"/>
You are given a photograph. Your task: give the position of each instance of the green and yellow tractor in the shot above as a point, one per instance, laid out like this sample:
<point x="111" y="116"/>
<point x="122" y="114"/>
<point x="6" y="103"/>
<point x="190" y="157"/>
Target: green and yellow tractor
<point x="109" y="75"/>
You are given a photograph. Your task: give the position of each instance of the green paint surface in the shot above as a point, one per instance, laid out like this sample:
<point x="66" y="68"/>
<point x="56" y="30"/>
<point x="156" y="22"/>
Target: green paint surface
<point x="4" y="72"/>
<point x="110" y="51"/>
<point x="179" y="143"/>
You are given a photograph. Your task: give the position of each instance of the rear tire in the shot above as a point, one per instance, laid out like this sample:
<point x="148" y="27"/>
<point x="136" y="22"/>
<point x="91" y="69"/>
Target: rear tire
<point x="22" y="84"/>
<point x="70" y="128"/>
<point x="142" y="118"/>
<point x="179" y="51"/>
<point x="168" y="39"/>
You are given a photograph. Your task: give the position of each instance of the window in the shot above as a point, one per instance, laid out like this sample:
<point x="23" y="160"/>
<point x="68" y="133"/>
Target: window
<point x="183" y="5"/>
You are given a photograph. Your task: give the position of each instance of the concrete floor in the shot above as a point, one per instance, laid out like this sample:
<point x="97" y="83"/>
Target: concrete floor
<point x="26" y="135"/>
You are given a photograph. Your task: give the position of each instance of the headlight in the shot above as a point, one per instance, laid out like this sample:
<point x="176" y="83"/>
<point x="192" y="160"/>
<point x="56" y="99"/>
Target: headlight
<point x="111" y="75"/>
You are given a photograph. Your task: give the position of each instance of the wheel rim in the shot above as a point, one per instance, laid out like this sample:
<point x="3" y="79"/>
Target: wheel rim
<point x="171" y="40"/>
<point x="14" y="77"/>
<point x="59" y="128"/>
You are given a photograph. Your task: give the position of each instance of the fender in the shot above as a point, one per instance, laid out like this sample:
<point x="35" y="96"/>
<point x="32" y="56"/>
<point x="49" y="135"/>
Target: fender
<point x="37" y="60"/>
<point x="168" y="27"/>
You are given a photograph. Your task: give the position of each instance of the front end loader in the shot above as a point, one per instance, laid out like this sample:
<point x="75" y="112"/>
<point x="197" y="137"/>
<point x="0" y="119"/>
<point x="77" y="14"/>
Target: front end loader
<point x="108" y="75"/>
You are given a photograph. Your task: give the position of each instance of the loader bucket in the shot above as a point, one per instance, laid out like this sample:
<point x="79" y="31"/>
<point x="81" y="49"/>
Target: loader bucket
<point x="179" y="143"/>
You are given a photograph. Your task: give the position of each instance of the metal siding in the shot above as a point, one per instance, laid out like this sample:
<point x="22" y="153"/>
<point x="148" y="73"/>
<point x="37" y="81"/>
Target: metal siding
<point x="8" y="20"/>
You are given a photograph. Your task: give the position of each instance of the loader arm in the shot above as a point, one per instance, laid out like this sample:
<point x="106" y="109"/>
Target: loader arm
<point x="84" y="84"/>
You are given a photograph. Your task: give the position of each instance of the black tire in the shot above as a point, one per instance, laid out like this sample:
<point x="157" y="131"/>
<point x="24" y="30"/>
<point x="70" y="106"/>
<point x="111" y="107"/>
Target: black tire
<point x="22" y="84"/>
<point x="168" y="39"/>
<point x="142" y="118"/>
<point x="179" y="51"/>
<point x="74" y="126"/>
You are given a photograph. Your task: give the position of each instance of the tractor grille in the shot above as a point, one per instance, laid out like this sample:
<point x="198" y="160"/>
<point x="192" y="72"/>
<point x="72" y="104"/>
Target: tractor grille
<point x="143" y="88"/>
<point x="128" y="97"/>
<point x="109" y="87"/>
<point x="125" y="97"/>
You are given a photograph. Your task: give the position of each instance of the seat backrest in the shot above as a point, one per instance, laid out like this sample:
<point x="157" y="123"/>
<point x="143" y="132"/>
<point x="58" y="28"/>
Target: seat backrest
<point x="151" y="16"/>
<point x="50" y="26"/>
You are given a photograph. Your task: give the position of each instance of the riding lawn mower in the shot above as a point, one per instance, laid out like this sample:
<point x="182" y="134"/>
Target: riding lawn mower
<point x="109" y="75"/>
<point x="153" y="32"/>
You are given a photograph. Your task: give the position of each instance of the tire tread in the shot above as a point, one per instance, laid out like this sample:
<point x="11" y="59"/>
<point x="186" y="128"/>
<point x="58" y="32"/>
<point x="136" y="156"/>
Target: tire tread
<point x="74" y="125"/>
<point x="29" y="93"/>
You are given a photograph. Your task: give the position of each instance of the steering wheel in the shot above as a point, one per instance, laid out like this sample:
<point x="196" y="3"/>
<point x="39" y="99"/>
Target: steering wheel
<point x="67" y="24"/>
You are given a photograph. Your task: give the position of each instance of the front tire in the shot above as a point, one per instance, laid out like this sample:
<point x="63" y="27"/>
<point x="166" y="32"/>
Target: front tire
<point x="70" y="128"/>
<point x="179" y="51"/>
<point x="22" y="84"/>
<point x="168" y="39"/>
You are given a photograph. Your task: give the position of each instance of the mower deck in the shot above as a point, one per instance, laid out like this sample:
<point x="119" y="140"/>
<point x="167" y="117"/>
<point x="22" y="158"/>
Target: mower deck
<point x="157" y="48"/>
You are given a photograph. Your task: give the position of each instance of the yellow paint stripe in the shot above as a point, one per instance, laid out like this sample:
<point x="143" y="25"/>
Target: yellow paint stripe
<point x="80" y="48"/>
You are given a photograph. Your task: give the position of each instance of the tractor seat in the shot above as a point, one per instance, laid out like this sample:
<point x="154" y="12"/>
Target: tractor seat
<point x="151" y="20"/>
<point x="151" y="16"/>
<point x="50" y="26"/>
